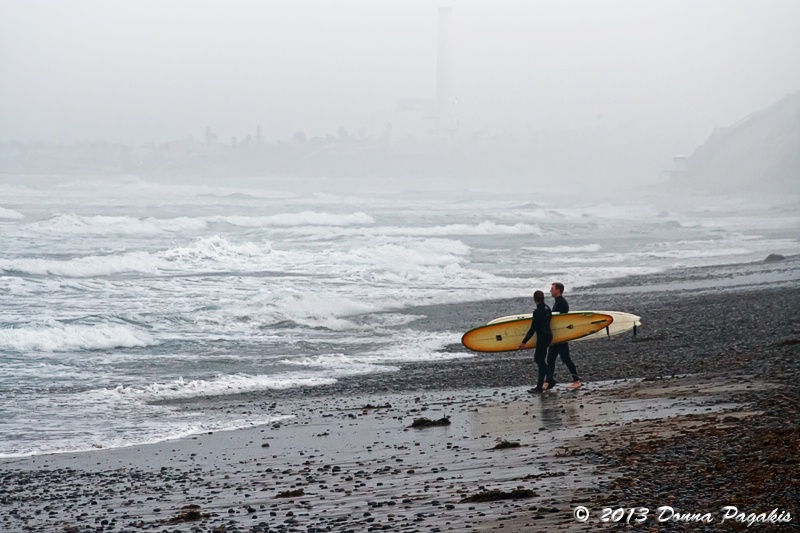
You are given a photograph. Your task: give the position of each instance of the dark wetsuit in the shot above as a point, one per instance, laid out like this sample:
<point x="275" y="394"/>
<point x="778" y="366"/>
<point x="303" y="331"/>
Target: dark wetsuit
<point x="562" y="348"/>
<point x="540" y="325"/>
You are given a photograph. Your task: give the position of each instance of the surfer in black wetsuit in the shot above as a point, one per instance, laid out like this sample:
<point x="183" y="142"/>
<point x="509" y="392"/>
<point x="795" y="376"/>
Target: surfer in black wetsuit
<point x="540" y="325"/>
<point x="562" y="348"/>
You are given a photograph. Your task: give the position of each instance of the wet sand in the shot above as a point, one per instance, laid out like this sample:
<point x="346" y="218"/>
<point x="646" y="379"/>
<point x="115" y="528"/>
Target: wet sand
<point x="699" y="411"/>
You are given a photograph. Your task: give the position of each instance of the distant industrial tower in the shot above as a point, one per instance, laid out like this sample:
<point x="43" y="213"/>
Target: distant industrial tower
<point x="441" y="111"/>
<point x="445" y="98"/>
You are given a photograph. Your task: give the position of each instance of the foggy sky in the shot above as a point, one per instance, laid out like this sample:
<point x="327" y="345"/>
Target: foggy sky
<point x="142" y="71"/>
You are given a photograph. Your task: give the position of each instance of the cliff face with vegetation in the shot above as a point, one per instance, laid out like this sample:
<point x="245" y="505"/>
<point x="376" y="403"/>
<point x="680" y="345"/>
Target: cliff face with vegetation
<point x="760" y="152"/>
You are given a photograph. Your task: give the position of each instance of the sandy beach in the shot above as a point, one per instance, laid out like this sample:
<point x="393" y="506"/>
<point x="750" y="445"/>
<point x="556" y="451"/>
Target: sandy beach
<point x="695" y="420"/>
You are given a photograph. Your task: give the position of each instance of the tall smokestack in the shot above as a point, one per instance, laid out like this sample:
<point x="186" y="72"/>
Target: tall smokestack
<point x="445" y="97"/>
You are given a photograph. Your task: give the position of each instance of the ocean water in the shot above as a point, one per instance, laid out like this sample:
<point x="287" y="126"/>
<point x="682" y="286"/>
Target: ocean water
<point x="117" y="293"/>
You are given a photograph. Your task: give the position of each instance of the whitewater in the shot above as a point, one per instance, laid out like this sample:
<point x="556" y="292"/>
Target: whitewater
<point x="117" y="293"/>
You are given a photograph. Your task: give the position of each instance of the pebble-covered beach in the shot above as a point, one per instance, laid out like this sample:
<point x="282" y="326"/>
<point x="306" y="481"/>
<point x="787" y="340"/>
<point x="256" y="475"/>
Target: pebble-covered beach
<point x="696" y="415"/>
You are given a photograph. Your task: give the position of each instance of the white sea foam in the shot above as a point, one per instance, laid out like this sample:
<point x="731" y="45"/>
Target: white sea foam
<point x="228" y="384"/>
<point x="672" y="251"/>
<point x="406" y="346"/>
<point x="123" y="429"/>
<point x="272" y="304"/>
<point x="65" y="337"/>
<point x="629" y="212"/>
<point x="89" y="266"/>
<point x="219" y="249"/>
<point x="586" y="276"/>
<point x="153" y="433"/>
<point x="318" y="310"/>
<point x="213" y="252"/>
<point x="337" y="365"/>
<point x="602" y="211"/>
<point x="305" y="218"/>
<point x="29" y="369"/>
<point x="381" y="320"/>
<point x="564" y="250"/>
<point x="482" y="228"/>
<point x="697" y="253"/>
<point x="415" y="346"/>
<point x="70" y="223"/>
<point x="10" y="214"/>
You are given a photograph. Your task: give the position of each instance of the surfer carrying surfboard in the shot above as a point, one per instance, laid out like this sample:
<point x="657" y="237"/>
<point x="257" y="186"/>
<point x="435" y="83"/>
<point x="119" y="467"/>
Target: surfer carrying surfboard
<point x="540" y="325"/>
<point x="560" y="306"/>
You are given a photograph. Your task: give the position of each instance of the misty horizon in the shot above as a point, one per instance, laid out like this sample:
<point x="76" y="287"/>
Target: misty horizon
<point x="147" y="72"/>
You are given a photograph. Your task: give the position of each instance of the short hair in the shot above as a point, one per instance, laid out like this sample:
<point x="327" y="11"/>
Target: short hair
<point x="559" y="286"/>
<point x="538" y="297"/>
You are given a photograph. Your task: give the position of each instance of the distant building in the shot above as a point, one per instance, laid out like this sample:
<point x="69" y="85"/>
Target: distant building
<point x="678" y="170"/>
<point x="438" y="116"/>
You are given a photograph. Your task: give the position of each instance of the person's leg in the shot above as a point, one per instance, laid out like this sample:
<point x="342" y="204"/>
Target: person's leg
<point x="552" y="355"/>
<point x="564" y="352"/>
<point x="539" y="357"/>
<point x="542" y="375"/>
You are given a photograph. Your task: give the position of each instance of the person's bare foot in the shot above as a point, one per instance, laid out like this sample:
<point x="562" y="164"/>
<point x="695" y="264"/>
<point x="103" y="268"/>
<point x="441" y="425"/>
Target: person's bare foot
<point x="575" y="385"/>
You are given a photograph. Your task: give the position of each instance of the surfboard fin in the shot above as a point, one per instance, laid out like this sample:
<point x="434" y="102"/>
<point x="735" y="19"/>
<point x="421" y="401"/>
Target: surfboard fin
<point x="634" y="330"/>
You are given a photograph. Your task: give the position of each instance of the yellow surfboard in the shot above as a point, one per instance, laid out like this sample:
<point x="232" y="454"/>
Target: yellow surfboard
<point x="506" y="336"/>
<point x="623" y="323"/>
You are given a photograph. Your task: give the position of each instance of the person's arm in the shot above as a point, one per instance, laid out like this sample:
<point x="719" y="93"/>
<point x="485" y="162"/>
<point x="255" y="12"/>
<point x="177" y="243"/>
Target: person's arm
<point x="530" y="333"/>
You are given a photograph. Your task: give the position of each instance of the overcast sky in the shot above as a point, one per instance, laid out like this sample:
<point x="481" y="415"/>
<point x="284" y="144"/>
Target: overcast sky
<point x="145" y="70"/>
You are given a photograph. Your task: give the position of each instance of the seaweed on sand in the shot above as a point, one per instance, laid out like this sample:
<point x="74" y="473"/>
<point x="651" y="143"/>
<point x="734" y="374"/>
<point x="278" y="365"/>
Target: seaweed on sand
<point x="189" y="513"/>
<point x="497" y="494"/>
<point x="290" y="493"/>
<point x="504" y="444"/>
<point x="427" y="422"/>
